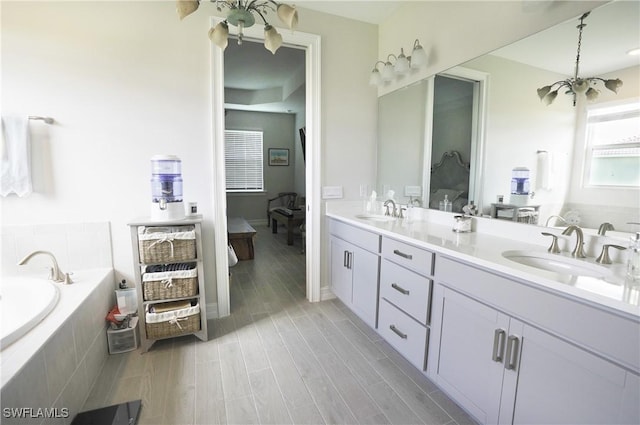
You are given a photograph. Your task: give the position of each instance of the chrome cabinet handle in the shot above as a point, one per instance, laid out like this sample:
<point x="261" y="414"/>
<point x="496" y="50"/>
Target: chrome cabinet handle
<point x="345" y="261"/>
<point x="513" y="343"/>
<point x="397" y="332"/>
<point x="350" y="260"/>
<point x="400" y="289"/>
<point x="498" y="345"/>
<point x="402" y="254"/>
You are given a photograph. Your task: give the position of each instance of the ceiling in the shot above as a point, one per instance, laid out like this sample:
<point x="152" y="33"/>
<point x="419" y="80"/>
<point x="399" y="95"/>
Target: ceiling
<point x="611" y="31"/>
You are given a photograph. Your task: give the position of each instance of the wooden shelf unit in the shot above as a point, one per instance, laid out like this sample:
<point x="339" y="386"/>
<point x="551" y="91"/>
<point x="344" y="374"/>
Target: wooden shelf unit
<point x="139" y="266"/>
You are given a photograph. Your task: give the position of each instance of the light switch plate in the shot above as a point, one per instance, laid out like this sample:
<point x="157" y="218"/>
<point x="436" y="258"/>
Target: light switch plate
<point x="332" y="192"/>
<point x="412" y="191"/>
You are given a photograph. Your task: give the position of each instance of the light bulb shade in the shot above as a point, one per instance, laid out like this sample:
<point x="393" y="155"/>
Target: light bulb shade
<point x="418" y="57"/>
<point x="375" y="78"/>
<point x="288" y="15"/>
<point x="219" y="35"/>
<point x="591" y="94"/>
<point x="387" y="72"/>
<point x="550" y="97"/>
<point x="272" y="40"/>
<point x="402" y="64"/>
<point x="580" y="85"/>
<point x="613" y="85"/>
<point x="543" y="91"/>
<point x="186" y="7"/>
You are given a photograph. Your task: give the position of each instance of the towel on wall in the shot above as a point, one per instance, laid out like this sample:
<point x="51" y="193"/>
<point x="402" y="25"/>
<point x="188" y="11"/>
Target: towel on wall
<point x="15" y="155"/>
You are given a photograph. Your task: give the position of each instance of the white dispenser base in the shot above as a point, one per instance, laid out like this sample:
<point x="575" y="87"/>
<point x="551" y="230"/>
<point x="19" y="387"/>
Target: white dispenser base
<point x="519" y="200"/>
<point x="173" y="211"/>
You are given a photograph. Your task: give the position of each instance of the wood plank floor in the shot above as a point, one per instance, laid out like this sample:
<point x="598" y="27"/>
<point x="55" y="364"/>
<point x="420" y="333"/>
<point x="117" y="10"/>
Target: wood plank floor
<point x="277" y="359"/>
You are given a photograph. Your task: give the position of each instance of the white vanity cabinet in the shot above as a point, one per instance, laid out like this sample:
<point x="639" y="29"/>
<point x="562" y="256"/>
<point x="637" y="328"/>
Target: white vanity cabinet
<point x="405" y="298"/>
<point x="355" y="264"/>
<point x="503" y="364"/>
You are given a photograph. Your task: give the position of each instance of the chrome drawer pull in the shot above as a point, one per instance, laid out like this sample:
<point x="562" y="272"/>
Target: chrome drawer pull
<point x="400" y="289"/>
<point x="402" y="254"/>
<point x="512" y="352"/>
<point x="498" y="345"/>
<point x="397" y="332"/>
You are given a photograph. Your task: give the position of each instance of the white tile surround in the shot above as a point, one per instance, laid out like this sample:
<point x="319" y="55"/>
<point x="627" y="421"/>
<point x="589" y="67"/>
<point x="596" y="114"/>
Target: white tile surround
<point x="56" y="364"/>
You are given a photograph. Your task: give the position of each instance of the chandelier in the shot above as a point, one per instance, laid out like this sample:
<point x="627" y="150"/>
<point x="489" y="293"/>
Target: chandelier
<point x="576" y="85"/>
<point x="241" y="15"/>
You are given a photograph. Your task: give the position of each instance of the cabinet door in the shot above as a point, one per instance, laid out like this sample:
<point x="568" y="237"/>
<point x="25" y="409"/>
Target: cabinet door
<point x="573" y="385"/>
<point x="470" y="358"/>
<point x="341" y="272"/>
<point x="365" y="268"/>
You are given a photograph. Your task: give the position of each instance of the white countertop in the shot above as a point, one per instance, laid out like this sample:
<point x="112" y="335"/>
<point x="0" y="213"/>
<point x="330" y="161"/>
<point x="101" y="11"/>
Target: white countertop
<point x="484" y="249"/>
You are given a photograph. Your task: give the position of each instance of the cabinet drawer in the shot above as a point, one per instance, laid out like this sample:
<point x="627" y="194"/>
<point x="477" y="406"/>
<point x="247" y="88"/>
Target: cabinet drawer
<point x="403" y="333"/>
<point x="405" y="289"/>
<point x="410" y="256"/>
<point x="362" y="238"/>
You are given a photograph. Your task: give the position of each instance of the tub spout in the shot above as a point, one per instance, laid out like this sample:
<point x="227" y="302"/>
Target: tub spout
<point x="56" y="274"/>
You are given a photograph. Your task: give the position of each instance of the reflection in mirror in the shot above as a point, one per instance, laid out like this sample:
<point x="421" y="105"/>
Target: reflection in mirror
<point x="521" y="132"/>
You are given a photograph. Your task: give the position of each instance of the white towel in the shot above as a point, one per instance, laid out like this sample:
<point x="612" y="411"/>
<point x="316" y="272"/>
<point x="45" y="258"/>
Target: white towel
<point x="544" y="170"/>
<point x="15" y="157"/>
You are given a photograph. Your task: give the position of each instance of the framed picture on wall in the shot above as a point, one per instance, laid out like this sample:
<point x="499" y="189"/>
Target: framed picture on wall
<point x="278" y="156"/>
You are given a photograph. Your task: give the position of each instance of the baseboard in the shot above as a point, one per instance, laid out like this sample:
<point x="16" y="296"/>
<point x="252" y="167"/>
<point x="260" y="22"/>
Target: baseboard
<point x="212" y="311"/>
<point x="258" y="222"/>
<point x="326" y="294"/>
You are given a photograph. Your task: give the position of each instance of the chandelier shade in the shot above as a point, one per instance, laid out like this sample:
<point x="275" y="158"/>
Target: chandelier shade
<point x="242" y="14"/>
<point x="576" y="85"/>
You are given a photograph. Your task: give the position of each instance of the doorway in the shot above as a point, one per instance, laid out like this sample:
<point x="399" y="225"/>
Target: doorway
<point x="311" y="46"/>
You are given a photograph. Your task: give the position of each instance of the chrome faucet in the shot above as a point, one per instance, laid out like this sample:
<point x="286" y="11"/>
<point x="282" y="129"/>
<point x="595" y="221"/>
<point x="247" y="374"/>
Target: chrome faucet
<point x="555" y="216"/>
<point x="393" y="205"/>
<point x="604" y="227"/>
<point x="55" y="274"/>
<point x="578" y="251"/>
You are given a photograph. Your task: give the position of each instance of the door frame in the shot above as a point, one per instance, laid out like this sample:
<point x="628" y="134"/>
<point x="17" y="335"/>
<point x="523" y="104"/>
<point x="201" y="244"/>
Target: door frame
<point x="311" y="44"/>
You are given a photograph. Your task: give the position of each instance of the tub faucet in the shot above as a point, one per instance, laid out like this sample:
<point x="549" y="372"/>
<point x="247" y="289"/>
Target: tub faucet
<point x="56" y="274"/>
<point x="604" y="227"/>
<point x="555" y="216"/>
<point x="578" y="251"/>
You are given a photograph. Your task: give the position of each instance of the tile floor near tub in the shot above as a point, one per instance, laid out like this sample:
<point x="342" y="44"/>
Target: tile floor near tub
<point x="276" y="360"/>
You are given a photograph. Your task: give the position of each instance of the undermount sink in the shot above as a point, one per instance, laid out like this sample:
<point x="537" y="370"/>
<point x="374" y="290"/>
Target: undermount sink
<point x="557" y="263"/>
<point x="375" y="217"/>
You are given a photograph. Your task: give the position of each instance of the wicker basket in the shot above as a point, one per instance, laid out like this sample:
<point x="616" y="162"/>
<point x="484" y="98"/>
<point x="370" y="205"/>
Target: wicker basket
<point x="170" y="284"/>
<point x="173" y="323"/>
<point x="166" y="244"/>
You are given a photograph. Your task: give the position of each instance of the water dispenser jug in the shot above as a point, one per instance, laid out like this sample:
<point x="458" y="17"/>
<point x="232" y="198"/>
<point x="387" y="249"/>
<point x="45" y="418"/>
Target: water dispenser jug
<point x="520" y="186"/>
<point x="166" y="188"/>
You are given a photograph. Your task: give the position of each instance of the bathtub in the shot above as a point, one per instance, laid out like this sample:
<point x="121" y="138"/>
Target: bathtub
<point x="24" y="302"/>
<point x="62" y="309"/>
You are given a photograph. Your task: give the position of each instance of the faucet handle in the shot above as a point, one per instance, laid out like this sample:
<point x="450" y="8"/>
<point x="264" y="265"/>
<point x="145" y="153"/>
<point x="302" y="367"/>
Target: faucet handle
<point x="67" y="279"/>
<point x="401" y="209"/>
<point x="554" y="249"/>
<point x="604" y="258"/>
<point x="386" y="211"/>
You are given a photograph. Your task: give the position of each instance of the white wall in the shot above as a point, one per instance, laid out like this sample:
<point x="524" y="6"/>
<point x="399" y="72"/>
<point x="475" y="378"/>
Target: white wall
<point x="127" y="80"/>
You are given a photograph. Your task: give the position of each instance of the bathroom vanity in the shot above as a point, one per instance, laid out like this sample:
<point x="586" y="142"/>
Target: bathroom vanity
<point x="501" y="338"/>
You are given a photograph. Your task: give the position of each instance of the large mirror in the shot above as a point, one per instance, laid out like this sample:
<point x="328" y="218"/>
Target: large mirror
<point x="516" y="130"/>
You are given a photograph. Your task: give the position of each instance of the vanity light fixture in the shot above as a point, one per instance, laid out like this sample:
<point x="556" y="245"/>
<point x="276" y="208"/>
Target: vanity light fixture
<point x="401" y="66"/>
<point x="576" y="85"/>
<point x="241" y="15"/>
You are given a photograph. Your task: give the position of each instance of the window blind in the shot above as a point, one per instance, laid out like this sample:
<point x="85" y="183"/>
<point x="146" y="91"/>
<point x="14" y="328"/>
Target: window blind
<point x="244" y="160"/>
